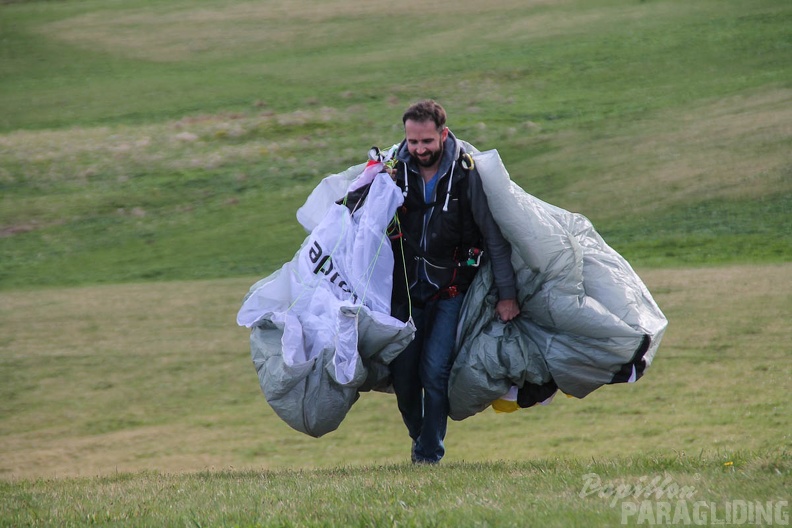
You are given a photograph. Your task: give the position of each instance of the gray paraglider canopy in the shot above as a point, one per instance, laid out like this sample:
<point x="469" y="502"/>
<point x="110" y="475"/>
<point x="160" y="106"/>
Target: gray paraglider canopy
<point x="322" y="331"/>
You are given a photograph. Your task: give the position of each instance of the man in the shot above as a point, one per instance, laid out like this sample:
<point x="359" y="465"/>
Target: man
<point x="444" y="227"/>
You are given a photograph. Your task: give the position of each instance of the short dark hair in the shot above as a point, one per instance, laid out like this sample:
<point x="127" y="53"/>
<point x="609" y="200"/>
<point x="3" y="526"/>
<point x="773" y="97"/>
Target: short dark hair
<point x="426" y="110"/>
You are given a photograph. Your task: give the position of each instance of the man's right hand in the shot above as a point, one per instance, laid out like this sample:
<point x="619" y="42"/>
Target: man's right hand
<point x="507" y="309"/>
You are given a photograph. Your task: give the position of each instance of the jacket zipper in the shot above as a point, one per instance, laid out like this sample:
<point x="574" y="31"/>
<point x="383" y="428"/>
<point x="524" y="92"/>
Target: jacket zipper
<point x="426" y="220"/>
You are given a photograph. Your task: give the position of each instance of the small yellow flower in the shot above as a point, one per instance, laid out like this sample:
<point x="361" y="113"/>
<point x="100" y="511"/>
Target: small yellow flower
<point x="728" y="464"/>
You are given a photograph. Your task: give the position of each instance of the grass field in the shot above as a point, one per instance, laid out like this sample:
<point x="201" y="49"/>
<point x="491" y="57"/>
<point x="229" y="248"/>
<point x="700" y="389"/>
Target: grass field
<point x="152" y="416"/>
<point x="166" y="383"/>
<point x="136" y="143"/>
<point x="153" y="154"/>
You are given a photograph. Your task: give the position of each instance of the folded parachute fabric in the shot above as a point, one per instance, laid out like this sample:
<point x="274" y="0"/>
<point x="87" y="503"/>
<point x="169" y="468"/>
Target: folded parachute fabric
<point x="321" y="329"/>
<point x="586" y="317"/>
<point x="322" y="333"/>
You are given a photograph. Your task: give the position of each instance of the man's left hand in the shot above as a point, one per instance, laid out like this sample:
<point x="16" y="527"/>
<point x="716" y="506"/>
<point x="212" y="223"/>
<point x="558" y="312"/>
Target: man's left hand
<point x="507" y="309"/>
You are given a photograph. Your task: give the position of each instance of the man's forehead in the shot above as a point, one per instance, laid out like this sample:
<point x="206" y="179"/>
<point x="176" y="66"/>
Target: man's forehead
<point x="420" y="129"/>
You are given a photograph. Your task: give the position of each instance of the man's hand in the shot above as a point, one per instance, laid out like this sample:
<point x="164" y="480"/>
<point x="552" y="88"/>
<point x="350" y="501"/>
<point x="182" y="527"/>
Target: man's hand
<point x="507" y="309"/>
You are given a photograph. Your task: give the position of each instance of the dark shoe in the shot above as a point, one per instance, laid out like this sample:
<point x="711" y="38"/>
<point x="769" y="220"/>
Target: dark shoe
<point x="415" y="460"/>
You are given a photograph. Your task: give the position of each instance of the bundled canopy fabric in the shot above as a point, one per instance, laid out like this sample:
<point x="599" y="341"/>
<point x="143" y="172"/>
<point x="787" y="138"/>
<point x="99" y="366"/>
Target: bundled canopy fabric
<point x="586" y="317"/>
<point x="322" y="333"/>
<point x="321" y="329"/>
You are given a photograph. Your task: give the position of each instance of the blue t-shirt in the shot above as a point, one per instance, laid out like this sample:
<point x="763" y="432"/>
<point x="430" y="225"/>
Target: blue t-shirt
<point x="429" y="188"/>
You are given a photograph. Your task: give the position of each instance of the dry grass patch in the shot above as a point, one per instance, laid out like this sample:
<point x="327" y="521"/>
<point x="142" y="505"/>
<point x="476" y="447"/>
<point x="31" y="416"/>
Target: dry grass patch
<point x="179" y="32"/>
<point x="737" y="147"/>
<point x="158" y="376"/>
<point x="83" y="154"/>
<point x="738" y="307"/>
<point x="561" y="19"/>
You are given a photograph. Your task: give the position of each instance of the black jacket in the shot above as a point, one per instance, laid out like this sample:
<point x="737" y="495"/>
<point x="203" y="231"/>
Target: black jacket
<point x="439" y="234"/>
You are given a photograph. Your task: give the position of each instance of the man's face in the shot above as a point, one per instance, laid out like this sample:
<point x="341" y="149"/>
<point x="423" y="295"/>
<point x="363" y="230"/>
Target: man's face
<point x="424" y="142"/>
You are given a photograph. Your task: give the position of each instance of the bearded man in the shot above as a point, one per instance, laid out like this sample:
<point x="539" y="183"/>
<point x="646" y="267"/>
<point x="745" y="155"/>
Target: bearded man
<point x="446" y="229"/>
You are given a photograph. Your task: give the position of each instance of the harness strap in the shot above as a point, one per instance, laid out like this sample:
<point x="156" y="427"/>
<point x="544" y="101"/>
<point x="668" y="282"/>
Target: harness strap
<point x="470" y="257"/>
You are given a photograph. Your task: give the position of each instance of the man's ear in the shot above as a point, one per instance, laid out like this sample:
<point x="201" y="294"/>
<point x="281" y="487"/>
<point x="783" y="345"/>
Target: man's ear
<point x="444" y="134"/>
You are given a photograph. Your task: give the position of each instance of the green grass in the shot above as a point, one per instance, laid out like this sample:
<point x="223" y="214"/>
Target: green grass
<point x="713" y="231"/>
<point x="144" y="140"/>
<point x="461" y="494"/>
<point x="124" y="378"/>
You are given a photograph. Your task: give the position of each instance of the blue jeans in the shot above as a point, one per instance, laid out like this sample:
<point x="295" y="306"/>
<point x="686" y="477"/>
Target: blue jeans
<point x="420" y="376"/>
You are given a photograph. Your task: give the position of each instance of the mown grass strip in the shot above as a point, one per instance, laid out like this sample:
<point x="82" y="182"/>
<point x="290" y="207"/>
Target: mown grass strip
<point x="548" y="492"/>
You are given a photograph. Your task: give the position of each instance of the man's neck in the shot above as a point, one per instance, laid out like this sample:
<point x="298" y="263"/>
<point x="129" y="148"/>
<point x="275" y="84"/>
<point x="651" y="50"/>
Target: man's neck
<point x="427" y="173"/>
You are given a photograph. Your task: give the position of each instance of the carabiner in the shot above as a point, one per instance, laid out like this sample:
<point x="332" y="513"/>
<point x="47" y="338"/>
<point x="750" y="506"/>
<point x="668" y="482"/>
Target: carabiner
<point x="466" y="160"/>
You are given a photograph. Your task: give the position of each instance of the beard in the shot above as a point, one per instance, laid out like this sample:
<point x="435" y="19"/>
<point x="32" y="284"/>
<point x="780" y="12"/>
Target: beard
<point x="429" y="160"/>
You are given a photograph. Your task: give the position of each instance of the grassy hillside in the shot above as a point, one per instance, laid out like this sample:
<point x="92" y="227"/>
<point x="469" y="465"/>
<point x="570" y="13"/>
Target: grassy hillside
<point x="174" y="140"/>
